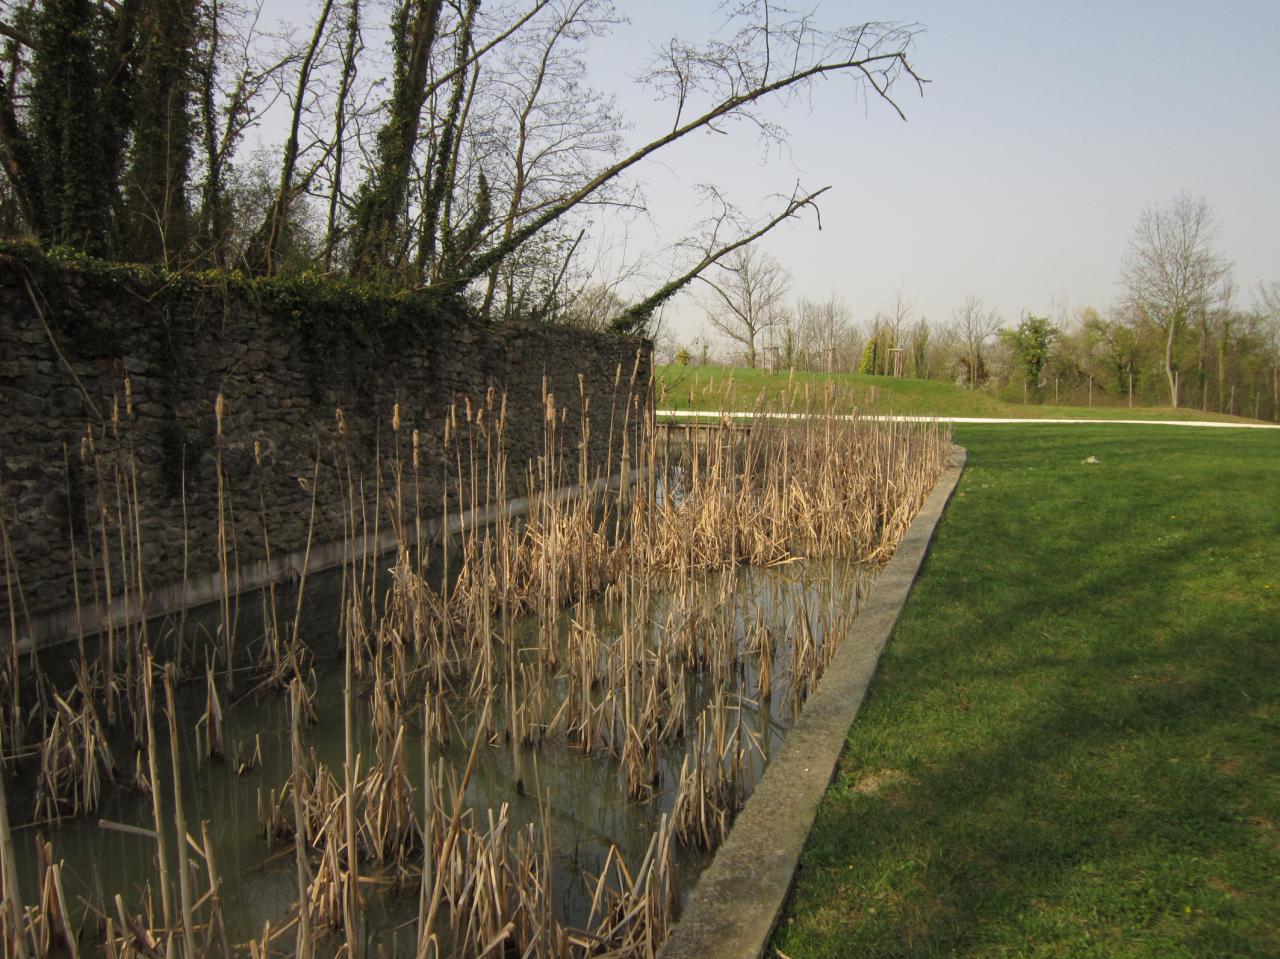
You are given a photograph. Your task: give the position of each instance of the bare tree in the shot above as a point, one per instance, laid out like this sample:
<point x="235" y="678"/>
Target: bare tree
<point x="975" y="325"/>
<point x="236" y="81"/>
<point x="350" y="50"/>
<point x="920" y="345"/>
<point x="1268" y="299"/>
<point x="544" y="132"/>
<point x="822" y="330"/>
<point x="288" y="190"/>
<point x="415" y="26"/>
<point x="747" y="297"/>
<point x="594" y="307"/>
<point x="471" y="155"/>
<point x="726" y="80"/>
<point x="1171" y="269"/>
<point x="891" y="322"/>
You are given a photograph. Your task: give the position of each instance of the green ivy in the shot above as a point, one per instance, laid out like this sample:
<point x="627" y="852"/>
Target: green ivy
<point x="319" y="307"/>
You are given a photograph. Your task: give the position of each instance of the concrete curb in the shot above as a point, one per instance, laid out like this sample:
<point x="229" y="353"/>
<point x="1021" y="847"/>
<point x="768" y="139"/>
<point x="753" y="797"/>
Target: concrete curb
<point x="59" y="627"/>
<point x="736" y="903"/>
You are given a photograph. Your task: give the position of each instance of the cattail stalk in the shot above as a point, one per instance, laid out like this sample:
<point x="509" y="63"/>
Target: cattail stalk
<point x="180" y="821"/>
<point x="157" y="801"/>
<point x="10" y="891"/>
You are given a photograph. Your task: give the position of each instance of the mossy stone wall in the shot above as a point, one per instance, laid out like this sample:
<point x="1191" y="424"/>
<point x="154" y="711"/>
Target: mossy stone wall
<point x="285" y="355"/>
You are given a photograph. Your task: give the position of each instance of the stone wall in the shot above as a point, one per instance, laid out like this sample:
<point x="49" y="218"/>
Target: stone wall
<point x="111" y="384"/>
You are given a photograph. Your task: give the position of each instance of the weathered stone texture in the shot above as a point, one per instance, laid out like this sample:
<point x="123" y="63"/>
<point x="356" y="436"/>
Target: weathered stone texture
<point x="65" y="427"/>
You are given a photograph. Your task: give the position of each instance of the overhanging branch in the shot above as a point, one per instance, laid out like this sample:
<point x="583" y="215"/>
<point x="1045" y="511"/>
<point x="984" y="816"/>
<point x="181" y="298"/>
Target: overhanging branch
<point x="868" y="67"/>
<point x="637" y="317"/>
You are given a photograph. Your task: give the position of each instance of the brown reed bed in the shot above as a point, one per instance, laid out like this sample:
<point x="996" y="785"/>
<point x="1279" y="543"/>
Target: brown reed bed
<point x="617" y="621"/>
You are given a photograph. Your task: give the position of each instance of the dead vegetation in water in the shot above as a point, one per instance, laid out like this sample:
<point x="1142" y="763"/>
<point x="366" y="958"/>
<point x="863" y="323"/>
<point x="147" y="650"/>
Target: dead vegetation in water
<point x="75" y="759"/>
<point x="614" y="620"/>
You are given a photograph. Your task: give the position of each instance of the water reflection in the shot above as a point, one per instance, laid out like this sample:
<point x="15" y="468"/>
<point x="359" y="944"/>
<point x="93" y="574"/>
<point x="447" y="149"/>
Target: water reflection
<point x="587" y="808"/>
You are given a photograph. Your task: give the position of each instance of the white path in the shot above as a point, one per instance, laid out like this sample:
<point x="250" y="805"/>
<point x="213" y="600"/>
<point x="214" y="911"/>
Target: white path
<point x="677" y="415"/>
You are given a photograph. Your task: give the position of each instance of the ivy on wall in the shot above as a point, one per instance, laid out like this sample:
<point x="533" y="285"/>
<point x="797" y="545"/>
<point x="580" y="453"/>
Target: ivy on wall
<point x="318" y="307"/>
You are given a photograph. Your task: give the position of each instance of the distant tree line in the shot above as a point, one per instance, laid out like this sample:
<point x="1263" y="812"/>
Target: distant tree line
<point x="1180" y="335"/>
<point x="469" y="153"/>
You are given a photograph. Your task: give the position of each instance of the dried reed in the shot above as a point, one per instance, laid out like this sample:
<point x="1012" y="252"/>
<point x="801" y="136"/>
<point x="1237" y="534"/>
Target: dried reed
<point x="643" y="642"/>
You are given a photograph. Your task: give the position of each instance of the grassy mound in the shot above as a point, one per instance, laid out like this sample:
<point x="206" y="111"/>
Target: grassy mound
<point x="715" y="388"/>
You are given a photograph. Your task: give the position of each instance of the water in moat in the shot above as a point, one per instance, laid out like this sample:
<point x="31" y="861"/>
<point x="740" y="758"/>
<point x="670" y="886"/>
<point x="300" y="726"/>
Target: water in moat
<point x="751" y="642"/>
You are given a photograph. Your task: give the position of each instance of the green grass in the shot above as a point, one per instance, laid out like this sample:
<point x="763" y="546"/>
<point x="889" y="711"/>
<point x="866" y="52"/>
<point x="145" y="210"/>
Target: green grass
<point x="715" y="388"/>
<point x="1072" y="744"/>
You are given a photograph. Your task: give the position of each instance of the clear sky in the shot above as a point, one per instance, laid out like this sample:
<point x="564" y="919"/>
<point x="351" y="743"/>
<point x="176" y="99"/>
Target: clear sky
<point x="1018" y="176"/>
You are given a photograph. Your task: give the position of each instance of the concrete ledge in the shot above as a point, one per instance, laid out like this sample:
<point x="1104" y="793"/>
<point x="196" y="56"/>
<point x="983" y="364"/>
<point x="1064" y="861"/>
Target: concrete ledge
<point x="59" y="627"/>
<point x="737" y="900"/>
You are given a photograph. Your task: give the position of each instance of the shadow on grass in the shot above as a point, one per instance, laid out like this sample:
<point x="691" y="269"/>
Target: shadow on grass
<point x="1071" y="747"/>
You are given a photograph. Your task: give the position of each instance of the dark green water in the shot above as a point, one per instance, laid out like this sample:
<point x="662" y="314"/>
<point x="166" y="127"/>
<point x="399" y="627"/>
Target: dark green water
<point x="587" y="809"/>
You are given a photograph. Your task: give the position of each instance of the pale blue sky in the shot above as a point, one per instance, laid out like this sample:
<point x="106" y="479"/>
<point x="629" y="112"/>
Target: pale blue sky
<point x="1018" y="176"/>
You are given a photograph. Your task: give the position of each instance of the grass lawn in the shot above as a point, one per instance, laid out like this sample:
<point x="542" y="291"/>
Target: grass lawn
<point x="1072" y="744"/>
<point x="716" y="388"/>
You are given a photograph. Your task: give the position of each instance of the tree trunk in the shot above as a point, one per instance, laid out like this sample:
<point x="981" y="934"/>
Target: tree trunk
<point x="278" y="216"/>
<point x="440" y="190"/>
<point x="340" y="130"/>
<point x="212" y="221"/>
<point x="163" y="133"/>
<point x="382" y="198"/>
<point x="1223" y="347"/>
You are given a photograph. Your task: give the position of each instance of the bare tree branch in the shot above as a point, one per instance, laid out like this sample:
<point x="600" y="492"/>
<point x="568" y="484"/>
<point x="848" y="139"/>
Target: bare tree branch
<point x="635" y="319"/>
<point x="862" y="53"/>
<point x="1171" y="269"/>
